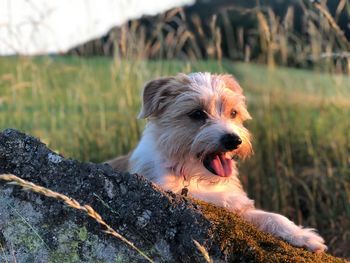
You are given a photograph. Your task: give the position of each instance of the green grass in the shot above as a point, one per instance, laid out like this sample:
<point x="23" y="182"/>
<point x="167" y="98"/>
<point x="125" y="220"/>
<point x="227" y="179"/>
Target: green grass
<point x="86" y="109"/>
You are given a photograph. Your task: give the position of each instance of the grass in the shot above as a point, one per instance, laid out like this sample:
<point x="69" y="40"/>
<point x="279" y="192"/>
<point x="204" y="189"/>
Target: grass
<point x="86" y="109"/>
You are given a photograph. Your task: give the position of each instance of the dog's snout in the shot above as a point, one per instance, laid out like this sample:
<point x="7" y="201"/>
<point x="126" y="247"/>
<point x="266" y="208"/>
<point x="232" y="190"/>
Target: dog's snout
<point x="230" y="141"/>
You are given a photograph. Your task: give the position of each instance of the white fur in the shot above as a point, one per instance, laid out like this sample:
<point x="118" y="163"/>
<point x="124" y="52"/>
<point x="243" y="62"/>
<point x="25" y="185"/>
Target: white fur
<point x="162" y="158"/>
<point x="149" y="162"/>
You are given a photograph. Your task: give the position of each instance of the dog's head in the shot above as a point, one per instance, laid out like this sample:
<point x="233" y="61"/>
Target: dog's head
<point x="198" y="119"/>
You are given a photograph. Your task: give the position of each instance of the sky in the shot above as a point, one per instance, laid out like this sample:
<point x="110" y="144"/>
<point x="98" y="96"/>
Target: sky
<point x="32" y="27"/>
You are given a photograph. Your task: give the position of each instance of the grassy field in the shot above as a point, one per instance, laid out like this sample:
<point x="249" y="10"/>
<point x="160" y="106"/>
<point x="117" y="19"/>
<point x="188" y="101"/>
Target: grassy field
<point x="86" y="109"/>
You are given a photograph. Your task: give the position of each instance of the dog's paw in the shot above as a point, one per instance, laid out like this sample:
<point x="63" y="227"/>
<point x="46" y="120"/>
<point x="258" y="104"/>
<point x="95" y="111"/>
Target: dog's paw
<point x="308" y="238"/>
<point x="282" y="227"/>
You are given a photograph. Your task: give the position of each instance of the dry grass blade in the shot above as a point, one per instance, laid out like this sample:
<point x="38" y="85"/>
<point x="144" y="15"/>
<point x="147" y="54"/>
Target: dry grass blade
<point x="203" y="251"/>
<point x="3" y="252"/>
<point x="12" y="179"/>
<point x="333" y="24"/>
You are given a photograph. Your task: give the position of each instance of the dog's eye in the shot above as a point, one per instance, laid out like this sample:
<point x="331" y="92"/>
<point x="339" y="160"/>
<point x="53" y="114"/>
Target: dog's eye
<point x="233" y="114"/>
<point x="198" y="115"/>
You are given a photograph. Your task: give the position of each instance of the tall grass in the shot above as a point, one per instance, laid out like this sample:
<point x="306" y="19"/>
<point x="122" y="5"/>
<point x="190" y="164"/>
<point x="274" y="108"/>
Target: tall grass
<point x="305" y="35"/>
<point x="301" y="134"/>
<point x="86" y="109"/>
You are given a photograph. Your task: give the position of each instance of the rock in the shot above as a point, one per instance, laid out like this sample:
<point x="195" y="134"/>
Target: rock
<point x="36" y="228"/>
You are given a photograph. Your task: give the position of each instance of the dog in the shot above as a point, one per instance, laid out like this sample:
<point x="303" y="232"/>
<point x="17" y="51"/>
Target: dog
<point x="193" y="136"/>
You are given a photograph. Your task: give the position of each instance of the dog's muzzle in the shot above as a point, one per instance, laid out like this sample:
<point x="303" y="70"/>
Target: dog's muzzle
<point x="219" y="163"/>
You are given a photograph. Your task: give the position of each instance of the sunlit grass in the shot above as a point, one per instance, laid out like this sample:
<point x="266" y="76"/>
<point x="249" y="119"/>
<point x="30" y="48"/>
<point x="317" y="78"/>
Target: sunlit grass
<point x="86" y="109"/>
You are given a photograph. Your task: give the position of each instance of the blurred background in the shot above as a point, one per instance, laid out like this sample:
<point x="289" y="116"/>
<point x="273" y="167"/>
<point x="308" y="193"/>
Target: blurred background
<point x="71" y="73"/>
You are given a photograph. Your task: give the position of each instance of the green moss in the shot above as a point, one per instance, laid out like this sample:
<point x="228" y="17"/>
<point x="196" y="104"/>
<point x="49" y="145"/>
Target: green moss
<point x="68" y="249"/>
<point x="82" y="233"/>
<point x="31" y="242"/>
<point x="23" y="233"/>
<point x="119" y="259"/>
<point x="76" y="244"/>
<point x="61" y="257"/>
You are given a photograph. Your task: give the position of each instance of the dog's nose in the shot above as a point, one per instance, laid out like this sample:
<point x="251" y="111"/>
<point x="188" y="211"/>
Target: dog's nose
<point x="230" y="141"/>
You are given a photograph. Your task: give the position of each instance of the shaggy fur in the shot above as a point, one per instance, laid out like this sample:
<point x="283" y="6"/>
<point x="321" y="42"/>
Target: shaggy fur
<point x="184" y="146"/>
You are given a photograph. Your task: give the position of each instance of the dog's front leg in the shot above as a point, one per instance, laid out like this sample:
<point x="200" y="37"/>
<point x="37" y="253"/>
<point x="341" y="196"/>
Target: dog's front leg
<point x="282" y="227"/>
<point x="236" y="203"/>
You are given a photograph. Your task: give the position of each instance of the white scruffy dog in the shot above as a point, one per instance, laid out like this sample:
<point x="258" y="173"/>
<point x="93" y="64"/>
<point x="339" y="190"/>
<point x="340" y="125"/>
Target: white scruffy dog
<point x="195" y="129"/>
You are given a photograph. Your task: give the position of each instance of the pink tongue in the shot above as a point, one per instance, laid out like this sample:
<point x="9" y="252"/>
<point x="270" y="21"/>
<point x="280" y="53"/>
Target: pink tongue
<point x="222" y="165"/>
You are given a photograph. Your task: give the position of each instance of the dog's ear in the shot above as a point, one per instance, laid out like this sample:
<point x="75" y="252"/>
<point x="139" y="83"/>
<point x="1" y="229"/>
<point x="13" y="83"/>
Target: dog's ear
<point x="231" y="83"/>
<point x="157" y="93"/>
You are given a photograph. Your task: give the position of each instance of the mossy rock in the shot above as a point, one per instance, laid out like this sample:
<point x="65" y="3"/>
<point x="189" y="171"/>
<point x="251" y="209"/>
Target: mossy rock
<point x="162" y="224"/>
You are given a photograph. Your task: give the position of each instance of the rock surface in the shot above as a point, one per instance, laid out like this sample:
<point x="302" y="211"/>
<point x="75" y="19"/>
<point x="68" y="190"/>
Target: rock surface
<point x="36" y="228"/>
